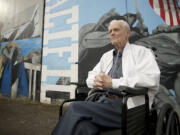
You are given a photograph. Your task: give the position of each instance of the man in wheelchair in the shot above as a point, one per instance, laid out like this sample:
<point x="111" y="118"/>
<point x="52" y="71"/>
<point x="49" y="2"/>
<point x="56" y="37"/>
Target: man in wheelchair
<point x="126" y="65"/>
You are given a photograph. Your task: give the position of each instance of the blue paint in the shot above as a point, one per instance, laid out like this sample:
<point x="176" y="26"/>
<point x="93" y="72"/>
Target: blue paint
<point x="51" y="2"/>
<point x="65" y="5"/>
<point x="54" y="62"/>
<point x="63" y="42"/>
<point x="52" y="79"/>
<point x="172" y="92"/>
<point x="6" y="79"/>
<point x="59" y="23"/>
<point x="22" y="85"/>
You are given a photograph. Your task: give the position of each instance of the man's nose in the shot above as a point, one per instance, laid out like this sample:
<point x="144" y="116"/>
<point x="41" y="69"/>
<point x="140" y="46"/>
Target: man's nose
<point x="112" y="33"/>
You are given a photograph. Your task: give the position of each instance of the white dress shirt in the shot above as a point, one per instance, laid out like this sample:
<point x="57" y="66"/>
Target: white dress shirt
<point x="139" y="69"/>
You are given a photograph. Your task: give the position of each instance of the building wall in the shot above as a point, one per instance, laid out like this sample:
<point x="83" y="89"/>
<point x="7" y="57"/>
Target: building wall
<point x="75" y="35"/>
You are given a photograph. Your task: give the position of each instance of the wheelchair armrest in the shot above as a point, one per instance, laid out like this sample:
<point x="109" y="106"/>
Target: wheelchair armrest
<point x="134" y="91"/>
<point x="124" y="91"/>
<point x="127" y="92"/>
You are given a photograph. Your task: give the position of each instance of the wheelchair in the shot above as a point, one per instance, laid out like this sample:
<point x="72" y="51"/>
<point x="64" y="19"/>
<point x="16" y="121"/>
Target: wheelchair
<point x="139" y="120"/>
<point x="159" y="120"/>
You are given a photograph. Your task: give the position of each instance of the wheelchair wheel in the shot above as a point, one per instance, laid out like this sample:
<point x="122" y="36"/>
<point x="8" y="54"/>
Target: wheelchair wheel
<point x="173" y="127"/>
<point x="163" y="117"/>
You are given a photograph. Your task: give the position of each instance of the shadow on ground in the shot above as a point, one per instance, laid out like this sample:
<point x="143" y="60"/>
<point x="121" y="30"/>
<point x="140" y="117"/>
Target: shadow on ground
<point x="22" y="117"/>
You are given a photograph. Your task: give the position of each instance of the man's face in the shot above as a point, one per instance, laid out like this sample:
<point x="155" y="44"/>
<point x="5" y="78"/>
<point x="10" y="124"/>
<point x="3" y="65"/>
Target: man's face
<point x="118" y="34"/>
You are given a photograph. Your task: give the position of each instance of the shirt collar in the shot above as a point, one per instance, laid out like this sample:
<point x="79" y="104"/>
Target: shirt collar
<point x="116" y="51"/>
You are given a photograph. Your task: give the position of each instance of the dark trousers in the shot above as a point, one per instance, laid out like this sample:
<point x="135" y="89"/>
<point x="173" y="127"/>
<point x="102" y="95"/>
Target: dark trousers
<point x="88" y="118"/>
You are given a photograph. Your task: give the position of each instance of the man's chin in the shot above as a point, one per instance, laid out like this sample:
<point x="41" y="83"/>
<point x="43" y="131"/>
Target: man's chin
<point x="114" y="43"/>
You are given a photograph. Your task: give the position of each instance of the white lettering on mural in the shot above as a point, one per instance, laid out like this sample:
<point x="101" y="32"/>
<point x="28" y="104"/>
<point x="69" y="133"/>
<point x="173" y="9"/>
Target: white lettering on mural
<point x="51" y="34"/>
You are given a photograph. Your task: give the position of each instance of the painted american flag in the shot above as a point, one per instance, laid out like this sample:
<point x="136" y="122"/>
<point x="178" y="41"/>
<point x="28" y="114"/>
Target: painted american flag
<point x="168" y="10"/>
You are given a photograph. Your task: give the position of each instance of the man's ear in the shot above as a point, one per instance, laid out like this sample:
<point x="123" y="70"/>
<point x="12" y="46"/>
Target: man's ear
<point x="128" y="33"/>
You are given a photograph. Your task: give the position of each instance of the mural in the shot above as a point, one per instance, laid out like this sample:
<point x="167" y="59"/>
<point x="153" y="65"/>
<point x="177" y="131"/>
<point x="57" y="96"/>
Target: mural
<point x="15" y="58"/>
<point x="155" y="25"/>
<point x="21" y="19"/>
<point x="75" y="37"/>
<point x="21" y="43"/>
<point x="163" y="40"/>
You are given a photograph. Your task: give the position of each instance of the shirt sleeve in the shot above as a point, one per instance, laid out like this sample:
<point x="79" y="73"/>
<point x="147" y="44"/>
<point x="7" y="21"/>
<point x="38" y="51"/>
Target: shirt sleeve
<point x="91" y="74"/>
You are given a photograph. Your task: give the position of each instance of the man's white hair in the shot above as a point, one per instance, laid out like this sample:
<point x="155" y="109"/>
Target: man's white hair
<point x="124" y="23"/>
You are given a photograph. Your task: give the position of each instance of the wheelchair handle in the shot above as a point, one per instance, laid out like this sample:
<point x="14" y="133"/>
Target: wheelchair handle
<point x="78" y="84"/>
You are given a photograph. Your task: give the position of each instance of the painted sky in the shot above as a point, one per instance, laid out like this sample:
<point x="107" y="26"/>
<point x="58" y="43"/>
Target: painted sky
<point x="90" y="11"/>
<point x="98" y="8"/>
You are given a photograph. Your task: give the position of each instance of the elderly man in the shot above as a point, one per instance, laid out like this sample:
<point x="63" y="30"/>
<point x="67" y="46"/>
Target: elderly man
<point x="126" y="65"/>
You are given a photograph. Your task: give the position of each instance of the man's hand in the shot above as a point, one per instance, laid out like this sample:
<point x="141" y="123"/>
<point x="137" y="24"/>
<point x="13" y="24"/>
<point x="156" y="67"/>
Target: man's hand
<point x="107" y="81"/>
<point x="102" y="81"/>
<point x="98" y="83"/>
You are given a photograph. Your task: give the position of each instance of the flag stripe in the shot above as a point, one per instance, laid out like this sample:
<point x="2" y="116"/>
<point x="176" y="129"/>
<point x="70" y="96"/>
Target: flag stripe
<point x="178" y="11"/>
<point x="162" y="12"/>
<point x="173" y="12"/>
<point x="170" y="13"/>
<point x="177" y="15"/>
<point x="166" y="12"/>
<point x="156" y="6"/>
<point x="151" y="3"/>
